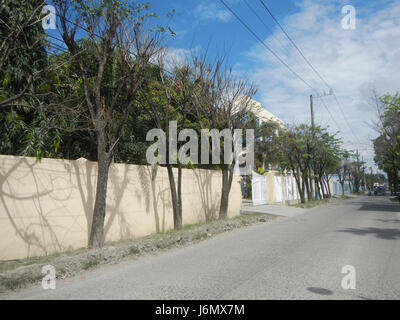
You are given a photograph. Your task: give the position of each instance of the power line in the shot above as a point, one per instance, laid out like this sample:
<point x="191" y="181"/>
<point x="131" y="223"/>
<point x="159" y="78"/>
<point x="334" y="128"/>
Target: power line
<point x="266" y="46"/>
<point x="345" y="118"/>
<point x="293" y="43"/>
<point x="283" y="62"/>
<point x="266" y="26"/>
<point x="274" y="38"/>
<point x="310" y="64"/>
<point x="327" y="109"/>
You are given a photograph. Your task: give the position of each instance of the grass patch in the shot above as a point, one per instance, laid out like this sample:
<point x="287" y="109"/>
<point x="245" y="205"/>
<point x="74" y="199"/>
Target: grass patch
<point x="91" y="263"/>
<point x="12" y="283"/>
<point x="311" y="204"/>
<point x="200" y="235"/>
<point x="248" y="215"/>
<point x="345" y="197"/>
<point x="195" y="225"/>
<point x="133" y="250"/>
<point x="246" y="218"/>
<point x="13" y="264"/>
<point x="18" y="282"/>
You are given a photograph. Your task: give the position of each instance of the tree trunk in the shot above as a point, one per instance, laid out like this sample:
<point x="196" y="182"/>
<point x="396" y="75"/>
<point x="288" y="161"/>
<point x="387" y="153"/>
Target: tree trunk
<point x="342" y="184"/>
<point x="227" y="176"/>
<point x="317" y="189"/>
<point x="328" y="186"/>
<point x="308" y="188"/>
<point x="325" y="186"/>
<point x="303" y="200"/>
<point x="322" y="188"/>
<point x="97" y="229"/>
<point x="176" y="202"/>
<point x="300" y="187"/>
<point x="396" y="181"/>
<point x="350" y="187"/>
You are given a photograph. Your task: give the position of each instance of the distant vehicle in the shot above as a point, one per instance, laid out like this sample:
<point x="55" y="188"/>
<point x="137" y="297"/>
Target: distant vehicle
<point x="379" y="191"/>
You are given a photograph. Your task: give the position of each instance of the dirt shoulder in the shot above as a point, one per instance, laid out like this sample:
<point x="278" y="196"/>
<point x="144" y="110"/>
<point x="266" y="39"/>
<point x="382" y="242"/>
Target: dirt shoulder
<point x="18" y="274"/>
<point x="318" y="203"/>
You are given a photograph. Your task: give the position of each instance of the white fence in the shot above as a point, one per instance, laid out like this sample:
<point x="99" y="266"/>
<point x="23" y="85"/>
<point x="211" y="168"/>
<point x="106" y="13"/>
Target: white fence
<point x="273" y="187"/>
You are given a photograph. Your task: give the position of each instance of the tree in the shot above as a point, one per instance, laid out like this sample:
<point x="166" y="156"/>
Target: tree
<point x="310" y="153"/>
<point x="387" y="144"/>
<point x="343" y="169"/>
<point x="223" y="103"/>
<point x="23" y="80"/>
<point x="22" y="50"/>
<point x="123" y="48"/>
<point x="168" y="99"/>
<point x="265" y="147"/>
<point x="295" y="150"/>
<point x="326" y="158"/>
<point x="357" y="172"/>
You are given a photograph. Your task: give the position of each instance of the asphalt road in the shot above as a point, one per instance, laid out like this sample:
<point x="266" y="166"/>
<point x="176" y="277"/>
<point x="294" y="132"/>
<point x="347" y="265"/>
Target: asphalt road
<point x="296" y="258"/>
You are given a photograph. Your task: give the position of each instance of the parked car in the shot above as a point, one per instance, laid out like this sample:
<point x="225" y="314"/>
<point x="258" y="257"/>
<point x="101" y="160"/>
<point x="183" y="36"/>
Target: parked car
<point x="379" y="191"/>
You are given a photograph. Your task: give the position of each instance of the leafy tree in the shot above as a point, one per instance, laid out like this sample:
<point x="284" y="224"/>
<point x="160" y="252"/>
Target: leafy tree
<point x="265" y="146"/>
<point x="123" y="48"/>
<point x="326" y="158"/>
<point x="23" y="78"/>
<point x="310" y="153"/>
<point x="223" y="103"/>
<point x="22" y="50"/>
<point x="387" y="144"/>
<point x="343" y="168"/>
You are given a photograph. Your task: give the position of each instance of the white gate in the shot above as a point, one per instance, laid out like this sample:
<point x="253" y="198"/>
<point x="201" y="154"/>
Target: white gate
<point x="259" y="189"/>
<point x="278" y="188"/>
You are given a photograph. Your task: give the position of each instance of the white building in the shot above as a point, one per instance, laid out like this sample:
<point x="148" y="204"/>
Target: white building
<point x="255" y="107"/>
<point x="264" y="115"/>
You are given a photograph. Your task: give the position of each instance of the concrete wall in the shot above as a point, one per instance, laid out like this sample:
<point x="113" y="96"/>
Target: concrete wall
<point x="46" y="206"/>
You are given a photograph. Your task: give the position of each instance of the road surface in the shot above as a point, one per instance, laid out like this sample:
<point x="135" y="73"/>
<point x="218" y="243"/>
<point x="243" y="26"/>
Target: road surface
<point x="296" y="258"/>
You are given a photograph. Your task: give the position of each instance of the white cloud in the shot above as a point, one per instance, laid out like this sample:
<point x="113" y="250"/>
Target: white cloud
<point x="173" y="57"/>
<point x="353" y="62"/>
<point x="207" y="10"/>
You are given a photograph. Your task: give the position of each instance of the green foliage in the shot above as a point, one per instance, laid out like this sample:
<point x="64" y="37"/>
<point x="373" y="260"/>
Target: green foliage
<point x="22" y="44"/>
<point x="387" y="144"/>
<point x="91" y="262"/>
<point x="311" y="153"/>
<point x="24" y="130"/>
<point x="266" y="142"/>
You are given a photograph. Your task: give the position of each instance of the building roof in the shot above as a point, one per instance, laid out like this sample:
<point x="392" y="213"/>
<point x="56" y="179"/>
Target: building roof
<point x="263" y="114"/>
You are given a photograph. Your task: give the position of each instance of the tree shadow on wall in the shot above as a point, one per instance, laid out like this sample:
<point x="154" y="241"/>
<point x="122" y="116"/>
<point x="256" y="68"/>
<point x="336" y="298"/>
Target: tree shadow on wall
<point x="210" y="204"/>
<point x="47" y="192"/>
<point x="11" y="188"/>
<point x="155" y="194"/>
<point x="86" y="176"/>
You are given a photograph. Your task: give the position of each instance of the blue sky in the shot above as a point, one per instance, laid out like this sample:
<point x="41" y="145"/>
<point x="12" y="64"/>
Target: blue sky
<point x="353" y="62"/>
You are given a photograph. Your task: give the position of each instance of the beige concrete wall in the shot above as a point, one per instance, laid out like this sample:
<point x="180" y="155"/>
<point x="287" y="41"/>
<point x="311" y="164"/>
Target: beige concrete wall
<point x="46" y="206"/>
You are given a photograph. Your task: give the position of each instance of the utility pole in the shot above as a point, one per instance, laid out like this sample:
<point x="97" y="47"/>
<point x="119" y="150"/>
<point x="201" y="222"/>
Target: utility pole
<point x="330" y="93"/>
<point x="312" y="129"/>
<point x="312" y="110"/>
<point x="372" y="179"/>
<point x="364" y="177"/>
